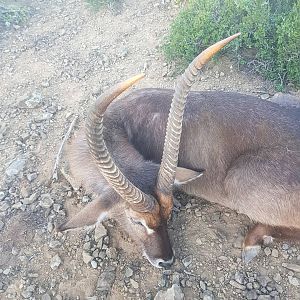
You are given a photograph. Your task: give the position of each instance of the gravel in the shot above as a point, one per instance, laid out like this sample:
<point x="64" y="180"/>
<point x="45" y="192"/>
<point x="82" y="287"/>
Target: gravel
<point x="263" y="280"/>
<point x="94" y="264"/>
<point x="15" y="167"/>
<point x="55" y="262"/>
<point x="134" y="284"/>
<point x="1" y="225"/>
<point x="32" y="101"/>
<point x="265" y="96"/>
<point x="207" y="239"/>
<point x="237" y="285"/>
<point x="187" y="260"/>
<point x="293" y="281"/>
<point x="292" y="267"/>
<point x="32" y="198"/>
<point x="2" y="195"/>
<point x="267" y="251"/>
<point x="128" y="272"/>
<point x="100" y="232"/>
<point x="46" y="201"/>
<point x="106" y="279"/>
<point x="46" y="297"/>
<point x="275" y="253"/>
<point x="173" y="293"/>
<point x="86" y="257"/>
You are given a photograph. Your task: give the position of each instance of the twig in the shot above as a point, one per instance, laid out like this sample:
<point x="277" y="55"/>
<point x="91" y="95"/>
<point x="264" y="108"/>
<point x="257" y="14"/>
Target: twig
<point x="70" y="180"/>
<point x="54" y="173"/>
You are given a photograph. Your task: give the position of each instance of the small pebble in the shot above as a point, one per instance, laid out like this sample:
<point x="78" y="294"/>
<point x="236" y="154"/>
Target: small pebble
<point x="293" y="281"/>
<point x="86" y="257"/>
<point x="55" y="262"/>
<point x="134" y="284"/>
<point x="46" y="201"/>
<point x="267" y="251"/>
<point x="251" y="295"/>
<point x="128" y="272"/>
<point x="46" y="297"/>
<point x="237" y="285"/>
<point x="275" y="253"/>
<point x="293" y="267"/>
<point x="187" y="260"/>
<point x="94" y="264"/>
<point x="265" y="96"/>
<point x="1" y="225"/>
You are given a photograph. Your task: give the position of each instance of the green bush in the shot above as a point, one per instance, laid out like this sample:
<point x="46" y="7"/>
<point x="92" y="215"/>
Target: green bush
<point x="288" y="46"/>
<point x="12" y="14"/>
<point x="270" y="41"/>
<point x="97" y="4"/>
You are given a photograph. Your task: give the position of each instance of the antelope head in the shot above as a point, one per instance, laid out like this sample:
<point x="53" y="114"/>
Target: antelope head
<point x="144" y="216"/>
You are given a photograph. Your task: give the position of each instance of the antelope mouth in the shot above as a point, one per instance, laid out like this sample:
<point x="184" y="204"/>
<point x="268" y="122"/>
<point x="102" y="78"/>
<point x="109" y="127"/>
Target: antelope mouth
<point x="159" y="262"/>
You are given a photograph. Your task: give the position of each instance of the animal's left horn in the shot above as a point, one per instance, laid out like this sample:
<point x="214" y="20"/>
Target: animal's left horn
<point x="169" y="161"/>
<point x="138" y="200"/>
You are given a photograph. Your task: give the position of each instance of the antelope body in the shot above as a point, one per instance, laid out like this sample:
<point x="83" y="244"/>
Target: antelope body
<point x="235" y="150"/>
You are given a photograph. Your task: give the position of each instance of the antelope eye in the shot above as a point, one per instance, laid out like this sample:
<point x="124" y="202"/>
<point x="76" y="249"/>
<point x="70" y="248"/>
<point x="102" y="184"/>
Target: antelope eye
<point x="136" y="222"/>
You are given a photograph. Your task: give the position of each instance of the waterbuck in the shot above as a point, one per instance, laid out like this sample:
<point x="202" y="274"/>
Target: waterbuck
<point x="235" y="150"/>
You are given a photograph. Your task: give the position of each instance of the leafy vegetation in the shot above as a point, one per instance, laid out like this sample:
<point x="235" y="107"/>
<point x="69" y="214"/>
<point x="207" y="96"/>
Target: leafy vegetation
<point x="270" y="41"/>
<point x="12" y="14"/>
<point x="97" y="4"/>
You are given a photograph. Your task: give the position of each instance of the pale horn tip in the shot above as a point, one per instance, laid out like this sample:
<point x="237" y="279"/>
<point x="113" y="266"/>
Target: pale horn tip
<point x="208" y="53"/>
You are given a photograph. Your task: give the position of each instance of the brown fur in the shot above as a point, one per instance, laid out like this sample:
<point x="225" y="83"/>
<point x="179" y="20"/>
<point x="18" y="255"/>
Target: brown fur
<point x="249" y="150"/>
<point x="259" y="232"/>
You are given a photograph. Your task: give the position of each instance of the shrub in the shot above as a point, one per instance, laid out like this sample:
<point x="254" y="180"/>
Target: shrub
<point x="270" y="34"/>
<point x="12" y="14"/>
<point x="97" y="4"/>
<point x="288" y="49"/>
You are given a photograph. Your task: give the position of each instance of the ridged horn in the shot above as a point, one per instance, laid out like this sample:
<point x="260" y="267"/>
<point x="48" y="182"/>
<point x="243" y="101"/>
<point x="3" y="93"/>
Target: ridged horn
<point x="166" y="175"/>
<point x="94" y="132"/>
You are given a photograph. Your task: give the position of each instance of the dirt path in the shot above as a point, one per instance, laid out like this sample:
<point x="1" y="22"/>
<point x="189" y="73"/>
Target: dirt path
<point x="50" y="70"/>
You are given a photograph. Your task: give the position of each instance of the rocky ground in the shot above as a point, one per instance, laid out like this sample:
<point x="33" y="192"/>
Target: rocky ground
<point x="51" y="68"/>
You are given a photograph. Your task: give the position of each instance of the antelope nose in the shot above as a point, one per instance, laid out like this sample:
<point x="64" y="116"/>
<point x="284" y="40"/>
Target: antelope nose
<point x="166" y="264"/>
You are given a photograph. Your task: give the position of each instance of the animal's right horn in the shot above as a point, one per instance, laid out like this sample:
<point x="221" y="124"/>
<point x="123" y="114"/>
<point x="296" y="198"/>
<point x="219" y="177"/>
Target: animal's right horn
<point x="94" y="131"/>
<point x="169" y="161"/>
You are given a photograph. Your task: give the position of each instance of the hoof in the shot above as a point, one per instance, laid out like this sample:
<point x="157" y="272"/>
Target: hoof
<point x="250" y="252"/>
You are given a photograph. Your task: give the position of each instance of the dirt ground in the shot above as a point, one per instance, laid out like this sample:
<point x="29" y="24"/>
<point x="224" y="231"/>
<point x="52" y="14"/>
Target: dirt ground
<point x="51" y="69"/>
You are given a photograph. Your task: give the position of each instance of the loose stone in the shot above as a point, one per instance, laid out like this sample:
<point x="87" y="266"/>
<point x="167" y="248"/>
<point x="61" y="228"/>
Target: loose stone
<point x="86" y="257"/>
<point x="173" y="293"/>
<point x="275" y="253"/>
<point x="293" y="281"/>
<point x="293" y="267"/>
<point x="46" y="201"/>
<point x="100" y="231"/>
<point x="237" y="285"/>
<point x="128" y="272"/>
<point x="94" y="264"/>
<point x="187" y="260"/>
<point x="55" y="262"/>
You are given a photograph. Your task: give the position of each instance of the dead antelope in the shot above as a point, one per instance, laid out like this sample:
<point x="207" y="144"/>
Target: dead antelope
<point x="246" y="149"/>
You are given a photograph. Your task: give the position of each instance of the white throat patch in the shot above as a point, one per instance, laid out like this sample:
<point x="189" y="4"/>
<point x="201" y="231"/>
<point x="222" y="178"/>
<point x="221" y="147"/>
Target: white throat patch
<point x="149" y="230"/>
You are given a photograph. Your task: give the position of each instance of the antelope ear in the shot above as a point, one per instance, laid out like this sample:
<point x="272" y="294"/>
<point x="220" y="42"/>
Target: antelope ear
<point x="184" y="176"/>
<point x="91" y="214"/>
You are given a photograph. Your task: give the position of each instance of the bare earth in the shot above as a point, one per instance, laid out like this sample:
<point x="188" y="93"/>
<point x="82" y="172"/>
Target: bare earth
<point x="51" y="68"/>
